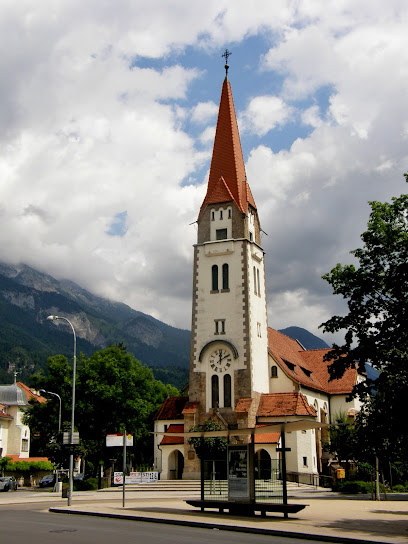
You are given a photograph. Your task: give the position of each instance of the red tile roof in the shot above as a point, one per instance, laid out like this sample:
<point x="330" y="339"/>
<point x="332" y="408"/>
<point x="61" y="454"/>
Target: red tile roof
<point x="190" y="407"/>
<point x="227" y="180"/>
<point x="266" y="438"/>
<point x="15" y="458"/>
<point x="31" y="394"/>
<point x="307" y="367"/>
<point x="284" y="404"/>
<point x="172" y="408"/>
<point x="166" y="440"/>
<point x="243" y="405"/>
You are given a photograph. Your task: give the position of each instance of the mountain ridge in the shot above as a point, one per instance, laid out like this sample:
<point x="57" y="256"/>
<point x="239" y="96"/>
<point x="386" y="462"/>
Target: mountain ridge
<point x="27" y="339"/>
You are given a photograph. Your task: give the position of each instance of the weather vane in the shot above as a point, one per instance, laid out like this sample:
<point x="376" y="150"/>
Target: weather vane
<point x="226" y="54"/>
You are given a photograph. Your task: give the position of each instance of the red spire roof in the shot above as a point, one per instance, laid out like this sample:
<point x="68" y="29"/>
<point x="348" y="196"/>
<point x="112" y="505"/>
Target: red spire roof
<point x="227" y="179"/>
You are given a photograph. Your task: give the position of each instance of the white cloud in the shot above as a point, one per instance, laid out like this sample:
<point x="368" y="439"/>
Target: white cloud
<point x="264" y="113"/>
<point x="204" y="112"/>
<point x="97" y="100"/>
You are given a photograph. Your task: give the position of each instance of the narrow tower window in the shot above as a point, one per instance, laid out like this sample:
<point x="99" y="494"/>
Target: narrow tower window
<point x="220" y="214"/>
<point x="255" y="291"/>
<point x="259" y="283"/>
<point x="227" y="391"/>
<point x="212" y="216"/>
<point x="225" y="279"/>
<point x="214" y="277"/>
<point x="215" y="391"/>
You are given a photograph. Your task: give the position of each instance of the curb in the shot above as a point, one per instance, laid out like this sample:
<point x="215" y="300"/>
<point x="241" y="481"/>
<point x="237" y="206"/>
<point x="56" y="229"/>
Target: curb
<point x="219" y="527"/>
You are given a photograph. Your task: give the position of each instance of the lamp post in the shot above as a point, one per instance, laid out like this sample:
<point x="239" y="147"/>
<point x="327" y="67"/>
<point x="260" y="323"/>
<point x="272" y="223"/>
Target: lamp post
<point x="71" y="438"/>
<point x="59" y="413"/>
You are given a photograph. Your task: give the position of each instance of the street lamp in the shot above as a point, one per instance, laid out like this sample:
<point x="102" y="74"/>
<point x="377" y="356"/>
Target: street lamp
<point x="71" y="437"/>
<point x="59" y="413"/>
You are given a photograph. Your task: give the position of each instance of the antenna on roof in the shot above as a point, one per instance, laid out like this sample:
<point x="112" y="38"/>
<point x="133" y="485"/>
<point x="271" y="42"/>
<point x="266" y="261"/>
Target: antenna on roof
<point x="226" y="54"/>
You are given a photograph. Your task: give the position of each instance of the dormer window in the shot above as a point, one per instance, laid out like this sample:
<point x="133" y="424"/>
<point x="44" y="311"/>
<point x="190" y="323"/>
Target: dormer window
<point x="290" y="365"/>
<point x="307" y="372"/>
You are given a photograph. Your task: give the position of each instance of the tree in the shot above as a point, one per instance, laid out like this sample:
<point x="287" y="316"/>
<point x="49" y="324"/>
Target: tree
<point x="114" y="392"/>
<point x="208" y="448"/>
<point x="376" y="324"/>
<point x="342" y="439"/>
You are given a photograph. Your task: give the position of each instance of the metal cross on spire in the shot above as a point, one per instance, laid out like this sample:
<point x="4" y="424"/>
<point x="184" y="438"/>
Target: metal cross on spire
<point x="226" y="54"/>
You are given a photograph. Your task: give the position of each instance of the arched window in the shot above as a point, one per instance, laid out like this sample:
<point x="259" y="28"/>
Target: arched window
<point x="227" y="391"/>
<point x="274" y="372"/>
<point x="214" y="275"/>
<point x="215" y="391"/>
<point x="255" y="291"/>
<point x="225" y="279"/>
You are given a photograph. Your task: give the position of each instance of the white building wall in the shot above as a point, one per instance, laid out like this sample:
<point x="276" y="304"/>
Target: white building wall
<point x="258" y="318"/>
<point x="161" y="426"/>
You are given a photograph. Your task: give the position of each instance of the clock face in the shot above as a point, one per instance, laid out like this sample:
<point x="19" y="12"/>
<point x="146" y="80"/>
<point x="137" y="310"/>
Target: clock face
<point x="220" y="360"/>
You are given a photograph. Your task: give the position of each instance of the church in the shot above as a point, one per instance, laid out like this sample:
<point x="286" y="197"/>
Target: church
<point x="243" y="374"/>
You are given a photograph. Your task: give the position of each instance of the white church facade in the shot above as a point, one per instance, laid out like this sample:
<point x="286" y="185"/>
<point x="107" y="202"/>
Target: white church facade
<point x="243" y="374"/>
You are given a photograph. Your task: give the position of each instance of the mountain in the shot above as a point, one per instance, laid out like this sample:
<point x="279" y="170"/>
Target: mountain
<point x="306" y="338"/>
<point x="27" y="339"/>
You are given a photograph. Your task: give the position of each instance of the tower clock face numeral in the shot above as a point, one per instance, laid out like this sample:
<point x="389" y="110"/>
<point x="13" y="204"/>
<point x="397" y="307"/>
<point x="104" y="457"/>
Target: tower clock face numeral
<point x="220" y="360"/>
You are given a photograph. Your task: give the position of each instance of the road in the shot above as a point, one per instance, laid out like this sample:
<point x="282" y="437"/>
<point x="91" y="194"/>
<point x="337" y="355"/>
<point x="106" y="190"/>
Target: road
<point x="22" y="523"/>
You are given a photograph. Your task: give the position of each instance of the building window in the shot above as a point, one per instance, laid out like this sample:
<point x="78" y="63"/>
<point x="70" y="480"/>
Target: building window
<point x="24" y="445"/>
<point x="259" y="283"/>
<point x="255" y="291"/>
<point x="212" y="216"/>
<point x="165" y="428"/>
<point x="225" y="279"/>
<point x="305" y="461"/>
<point x="251" y="236"/>
<point x="227" y="391"/>
<point x="215" y="391"/>
<point x="274" y="372"/>
<point x="258" y="330"/>
<point x="214" y="277"/>
<point x="229" y="213"/>
<point x="221" y="234"/>
<point x="219" y="326"/>
<point x="220" y="214"/>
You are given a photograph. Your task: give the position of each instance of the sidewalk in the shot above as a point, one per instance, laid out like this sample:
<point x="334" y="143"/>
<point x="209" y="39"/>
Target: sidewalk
<point x="328" y="516"/>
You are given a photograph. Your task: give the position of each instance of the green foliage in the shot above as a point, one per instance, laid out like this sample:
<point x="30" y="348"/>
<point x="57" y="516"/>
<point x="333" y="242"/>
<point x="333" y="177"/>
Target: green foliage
<point x="90" y="484"/>
<point x="4" y="461"/>
<point x="28" y="466"/>
<point x="173" y="375"/>
<point x="376" y="327"/>
<point x="114" y="392"/>
<point x="208" y="448"/>
<point x="342" y="439"/>
<point x="354" y="487"/>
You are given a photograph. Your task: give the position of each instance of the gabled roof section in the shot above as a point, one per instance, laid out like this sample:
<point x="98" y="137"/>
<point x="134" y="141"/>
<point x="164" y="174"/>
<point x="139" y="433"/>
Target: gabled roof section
<point x="172" y="408"/>
<point x="307" y="367"/>
<point x="166" y="440"/>
<point x="284" y="404"/>
<point x="227" y="180"/>
<point x="31" y="394"/>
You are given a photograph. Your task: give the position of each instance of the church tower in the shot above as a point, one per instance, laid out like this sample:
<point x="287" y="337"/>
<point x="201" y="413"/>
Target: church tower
<point x="229" y="342"/>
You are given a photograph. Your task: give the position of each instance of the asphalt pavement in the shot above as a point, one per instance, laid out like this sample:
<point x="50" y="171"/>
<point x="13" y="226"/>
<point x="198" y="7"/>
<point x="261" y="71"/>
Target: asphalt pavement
<point x="329" y="517"/>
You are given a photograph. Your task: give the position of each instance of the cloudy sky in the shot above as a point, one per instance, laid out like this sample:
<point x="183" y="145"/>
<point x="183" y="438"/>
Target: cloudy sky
<point x="107" y="116"/>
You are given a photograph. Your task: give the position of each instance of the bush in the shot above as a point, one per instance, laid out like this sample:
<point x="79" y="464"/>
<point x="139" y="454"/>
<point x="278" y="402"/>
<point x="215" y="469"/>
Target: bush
<point x="90" y="484"/>
<point x="354" y="487"/>
<point x="400" y="488"/>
